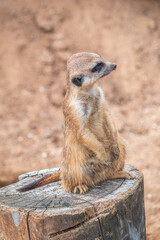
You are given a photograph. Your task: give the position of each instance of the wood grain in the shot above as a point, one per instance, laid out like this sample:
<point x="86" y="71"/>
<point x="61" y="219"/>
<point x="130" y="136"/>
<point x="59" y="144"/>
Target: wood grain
<point x="113" y="210"/>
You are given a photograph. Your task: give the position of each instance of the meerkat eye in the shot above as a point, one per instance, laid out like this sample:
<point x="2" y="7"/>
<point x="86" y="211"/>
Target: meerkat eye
<point x="98" y="67"/>
<point x="77" y="81"/>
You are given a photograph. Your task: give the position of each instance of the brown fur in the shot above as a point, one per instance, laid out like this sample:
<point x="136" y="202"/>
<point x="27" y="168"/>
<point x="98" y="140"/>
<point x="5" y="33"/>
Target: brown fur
<point x="93" y="149"/>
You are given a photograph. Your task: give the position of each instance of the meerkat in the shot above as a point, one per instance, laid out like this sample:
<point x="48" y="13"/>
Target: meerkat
<point x="93" y="149"/>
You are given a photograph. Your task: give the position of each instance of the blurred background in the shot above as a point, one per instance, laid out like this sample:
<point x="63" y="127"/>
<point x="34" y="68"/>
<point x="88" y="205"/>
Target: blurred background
<point x="36" y="39"/>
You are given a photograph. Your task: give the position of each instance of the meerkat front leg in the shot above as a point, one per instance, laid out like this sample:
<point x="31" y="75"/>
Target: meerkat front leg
<point x="112" y="133"/>
<point x="123" y="174"/>
<point x="88" y="139"/>
<point x="91" y="142"/>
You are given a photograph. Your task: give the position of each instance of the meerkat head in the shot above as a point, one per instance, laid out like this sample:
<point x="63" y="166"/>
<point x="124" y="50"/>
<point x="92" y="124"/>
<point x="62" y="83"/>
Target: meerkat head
<point x="84" y="69"/>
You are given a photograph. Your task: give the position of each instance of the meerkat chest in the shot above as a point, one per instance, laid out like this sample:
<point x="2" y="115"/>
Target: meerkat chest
<point x="96" y="103"/>
<point x="89" y="107"/>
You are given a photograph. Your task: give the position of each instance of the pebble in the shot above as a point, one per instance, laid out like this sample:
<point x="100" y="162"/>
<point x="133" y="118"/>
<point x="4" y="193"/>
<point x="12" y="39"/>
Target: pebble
<point x="149" y="195"/>
<point x="44" y="154"/>
<point x="47" y="133"/>
<point x="30" y="135"/>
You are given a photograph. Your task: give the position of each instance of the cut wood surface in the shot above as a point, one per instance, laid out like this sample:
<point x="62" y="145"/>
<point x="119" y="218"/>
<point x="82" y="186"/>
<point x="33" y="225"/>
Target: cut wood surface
<point x="113" y="210"/>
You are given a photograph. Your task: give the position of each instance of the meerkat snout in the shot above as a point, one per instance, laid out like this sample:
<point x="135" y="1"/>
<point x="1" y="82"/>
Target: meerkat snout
<point x="84" y="69"/>
<point x="109" y="67"/>
<point x="114" y="66"/>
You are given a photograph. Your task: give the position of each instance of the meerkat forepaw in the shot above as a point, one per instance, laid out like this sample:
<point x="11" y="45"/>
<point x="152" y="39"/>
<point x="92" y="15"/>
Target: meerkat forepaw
<point x="129" y="175"/>
<point x="115" y="151"/>
<point x="123" y="174"/>
<point x="82" y="188"/>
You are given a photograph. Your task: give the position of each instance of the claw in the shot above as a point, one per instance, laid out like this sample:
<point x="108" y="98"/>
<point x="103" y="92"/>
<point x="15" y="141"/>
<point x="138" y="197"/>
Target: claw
<point x="80" y="189"/>
<point x="130" y="175"/>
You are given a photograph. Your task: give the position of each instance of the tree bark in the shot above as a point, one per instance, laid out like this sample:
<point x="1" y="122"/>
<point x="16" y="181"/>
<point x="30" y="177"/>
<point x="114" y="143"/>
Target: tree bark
<point x="113" y="210"/>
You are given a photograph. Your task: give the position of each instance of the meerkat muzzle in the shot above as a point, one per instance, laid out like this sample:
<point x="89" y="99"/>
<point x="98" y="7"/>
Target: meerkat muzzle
<point x="114" y="66"/>
<point x="109" y="67"/>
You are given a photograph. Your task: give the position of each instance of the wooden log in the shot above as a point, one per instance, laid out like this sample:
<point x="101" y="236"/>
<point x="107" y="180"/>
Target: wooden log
<point x="111" y="211"/>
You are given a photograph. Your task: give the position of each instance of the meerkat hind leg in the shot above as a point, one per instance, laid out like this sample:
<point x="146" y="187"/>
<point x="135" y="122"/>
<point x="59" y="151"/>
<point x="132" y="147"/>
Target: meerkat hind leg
<point x="123" y="174"/>
<point x="81" y="188"/>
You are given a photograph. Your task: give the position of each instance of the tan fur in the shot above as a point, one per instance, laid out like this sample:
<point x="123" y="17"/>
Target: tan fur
<point x="93" y="149"/>
<point x="91" y="137"/>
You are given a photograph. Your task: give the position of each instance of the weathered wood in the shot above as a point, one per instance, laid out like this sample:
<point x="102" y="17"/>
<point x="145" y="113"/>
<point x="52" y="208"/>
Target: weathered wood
<point x="111" y="211"/>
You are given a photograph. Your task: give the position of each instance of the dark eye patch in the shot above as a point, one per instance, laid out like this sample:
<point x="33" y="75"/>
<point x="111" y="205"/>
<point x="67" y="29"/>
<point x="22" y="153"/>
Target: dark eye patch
<point x="98" y="67"/>
<point x="78" y="80"/>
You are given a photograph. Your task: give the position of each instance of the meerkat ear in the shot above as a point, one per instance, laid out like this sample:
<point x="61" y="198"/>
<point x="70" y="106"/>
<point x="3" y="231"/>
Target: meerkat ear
<point x="78" y="80"/>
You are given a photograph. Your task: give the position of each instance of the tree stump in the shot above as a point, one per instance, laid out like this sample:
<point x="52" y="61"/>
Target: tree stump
<point x="113" y="210"/>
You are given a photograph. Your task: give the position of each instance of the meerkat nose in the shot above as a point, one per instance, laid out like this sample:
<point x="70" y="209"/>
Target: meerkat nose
<point x="114" y="66"/>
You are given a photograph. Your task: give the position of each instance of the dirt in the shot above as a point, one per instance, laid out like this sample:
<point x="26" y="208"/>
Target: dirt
<point x="36" y="39"/>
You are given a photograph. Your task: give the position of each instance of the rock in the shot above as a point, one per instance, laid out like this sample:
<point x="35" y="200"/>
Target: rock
<point x="47" y="133"/>
<point x="44" y="21"/>
<point x="44" y="155"/>
<point x="30" y="135"/>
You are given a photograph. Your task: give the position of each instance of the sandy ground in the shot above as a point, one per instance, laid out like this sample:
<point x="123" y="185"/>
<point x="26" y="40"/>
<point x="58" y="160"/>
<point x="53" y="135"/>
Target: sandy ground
<point x="36" y="38"/>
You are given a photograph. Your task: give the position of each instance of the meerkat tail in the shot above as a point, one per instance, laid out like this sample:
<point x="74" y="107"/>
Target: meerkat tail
<point x="42" y="181"/>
